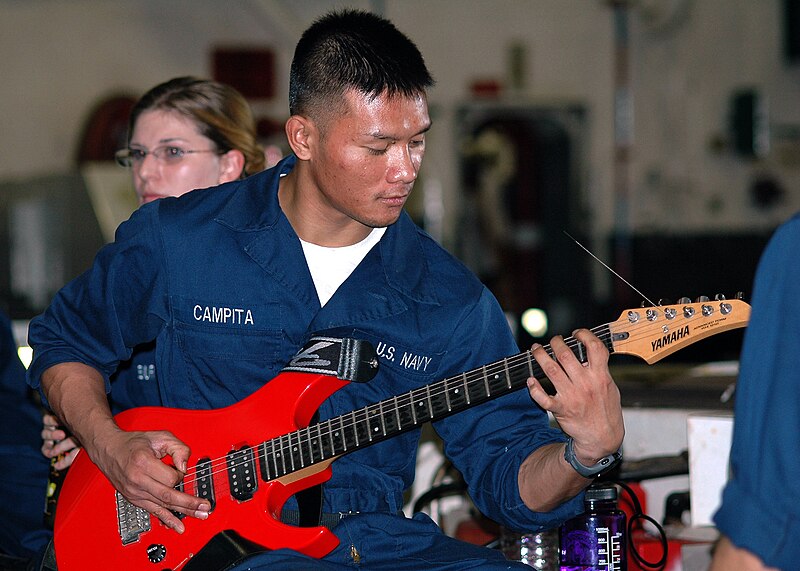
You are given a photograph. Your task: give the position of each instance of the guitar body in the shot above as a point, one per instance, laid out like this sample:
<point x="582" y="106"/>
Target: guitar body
<point x="87" y="534"/>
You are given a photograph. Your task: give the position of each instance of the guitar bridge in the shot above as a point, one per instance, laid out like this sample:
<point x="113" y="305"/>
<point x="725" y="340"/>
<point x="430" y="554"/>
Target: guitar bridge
<point x="132" y="521"/>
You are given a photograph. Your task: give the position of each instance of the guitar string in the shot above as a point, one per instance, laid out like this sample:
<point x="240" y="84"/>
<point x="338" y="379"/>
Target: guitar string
<point x="304" y="436"/>
<point x="480" y="374"/>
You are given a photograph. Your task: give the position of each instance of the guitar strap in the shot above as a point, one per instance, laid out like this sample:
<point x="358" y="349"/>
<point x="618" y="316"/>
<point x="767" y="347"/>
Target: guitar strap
<point x="347" y="359"/>
<point x="225" y="550"/>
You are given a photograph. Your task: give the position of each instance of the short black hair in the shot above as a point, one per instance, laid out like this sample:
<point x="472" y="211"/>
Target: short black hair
<point x="353" y="49"/>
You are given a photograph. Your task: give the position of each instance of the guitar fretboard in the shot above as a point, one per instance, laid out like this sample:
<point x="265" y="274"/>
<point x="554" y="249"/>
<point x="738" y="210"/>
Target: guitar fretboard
<point x="376" y="422"/>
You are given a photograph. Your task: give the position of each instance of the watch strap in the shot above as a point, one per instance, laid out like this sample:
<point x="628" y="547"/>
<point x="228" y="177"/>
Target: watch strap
<point x="603" y="465"/>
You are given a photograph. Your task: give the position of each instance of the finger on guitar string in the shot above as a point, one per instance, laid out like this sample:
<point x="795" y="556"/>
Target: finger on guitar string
<point x="145" y="467"/>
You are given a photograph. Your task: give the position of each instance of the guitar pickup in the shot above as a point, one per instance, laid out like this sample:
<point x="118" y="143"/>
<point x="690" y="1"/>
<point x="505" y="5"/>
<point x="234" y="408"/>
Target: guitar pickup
<point x="242" y="473"/>
<point x="204" y="482"/>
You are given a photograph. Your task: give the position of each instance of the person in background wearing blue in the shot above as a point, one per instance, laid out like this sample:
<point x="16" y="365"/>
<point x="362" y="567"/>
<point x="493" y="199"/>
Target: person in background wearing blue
<point x="23" y="470"/>
<point x="183" y="134"/>
<point x="759" y="517"/>
<point x="320" y="244"/>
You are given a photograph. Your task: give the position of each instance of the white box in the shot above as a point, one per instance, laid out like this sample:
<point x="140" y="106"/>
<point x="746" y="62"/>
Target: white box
<point x="709" y="449"/>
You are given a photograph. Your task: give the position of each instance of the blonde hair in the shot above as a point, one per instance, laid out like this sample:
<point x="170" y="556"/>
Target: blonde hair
<point x="221" y="113"/>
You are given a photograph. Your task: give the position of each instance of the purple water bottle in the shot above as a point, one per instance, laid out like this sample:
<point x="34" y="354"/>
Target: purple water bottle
<point x="595" y="540"/>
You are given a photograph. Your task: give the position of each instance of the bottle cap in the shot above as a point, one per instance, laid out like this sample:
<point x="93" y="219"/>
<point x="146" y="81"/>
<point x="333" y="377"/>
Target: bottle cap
<point x="601" y="493"/>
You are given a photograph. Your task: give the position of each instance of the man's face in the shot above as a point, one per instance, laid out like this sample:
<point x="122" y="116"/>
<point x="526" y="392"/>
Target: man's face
<point x="366" y="159"/>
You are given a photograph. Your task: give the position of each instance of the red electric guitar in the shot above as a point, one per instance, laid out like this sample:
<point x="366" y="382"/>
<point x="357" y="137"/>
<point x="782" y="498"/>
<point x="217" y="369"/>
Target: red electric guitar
<point x="249" y="458"/>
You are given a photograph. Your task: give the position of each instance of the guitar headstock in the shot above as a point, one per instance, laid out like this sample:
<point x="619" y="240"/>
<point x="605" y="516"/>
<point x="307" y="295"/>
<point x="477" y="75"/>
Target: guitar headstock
<point x="652" y="333"/>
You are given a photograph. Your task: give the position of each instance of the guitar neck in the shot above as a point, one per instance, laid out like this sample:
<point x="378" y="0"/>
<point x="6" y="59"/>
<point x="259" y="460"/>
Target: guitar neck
<point x="374" y="423"/>
<point x="649" y="333"/>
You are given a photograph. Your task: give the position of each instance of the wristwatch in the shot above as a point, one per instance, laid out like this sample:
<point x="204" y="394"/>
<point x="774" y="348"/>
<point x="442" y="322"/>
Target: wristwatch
<point x="603" y="465"/>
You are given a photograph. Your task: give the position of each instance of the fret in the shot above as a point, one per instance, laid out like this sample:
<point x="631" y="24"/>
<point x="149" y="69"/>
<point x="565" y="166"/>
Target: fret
<point x="274" y="458"/>
<point x="498" y="382"/>
<point x="458" y="397"/>
<point x="373" y="427"/>
<point x="413" y="408"/>
<point x="389" y="417"/>
<point x="286" y="469"/>
<point x="437" y="397"/>
<point x="297" y="448"/>
<point x="430" y="402"/>
<point x="362" y="427"/>
<point x="383" y="420"/>
<point x="508" y="373"/>
<point x="355" y="426"/>
<point x="421" y="412"/>
<point x="344" y="436"/>
<point x="292" y="451"/>
<point x="475" y="392"/>
<point x="320" y="445"/>
<point x="263" y="462"/>
<point x="397" y="413"/>
<point x="580" y="351"/>
<point x="529" y="357"/>
<point x="304" y="447"/>
<point x="310" y="444"/>
<point x="329" y="432"/>
<point x="405" y="412"/>
<point x="466" y="388"/>
<point x="447" y="396"/>
<point x="486" y="381"/>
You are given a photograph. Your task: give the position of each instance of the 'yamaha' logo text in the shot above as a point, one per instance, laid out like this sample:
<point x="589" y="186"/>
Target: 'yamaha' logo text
<point x="670" y="338"/>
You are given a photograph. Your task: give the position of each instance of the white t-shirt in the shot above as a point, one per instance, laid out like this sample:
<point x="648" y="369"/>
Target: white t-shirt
<point x="331" y="266"/>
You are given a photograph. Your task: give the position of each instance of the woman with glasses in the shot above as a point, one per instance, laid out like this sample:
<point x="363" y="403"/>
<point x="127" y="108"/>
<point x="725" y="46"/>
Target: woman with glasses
<point x="184" y="134"/>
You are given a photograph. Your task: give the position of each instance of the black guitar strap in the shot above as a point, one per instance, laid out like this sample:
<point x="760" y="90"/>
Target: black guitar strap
<point x="347" y="359"/>
<point x="225" y="550"/>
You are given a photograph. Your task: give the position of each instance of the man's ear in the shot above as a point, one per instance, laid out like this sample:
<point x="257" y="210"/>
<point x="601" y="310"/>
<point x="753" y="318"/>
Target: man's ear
<point x="301" y="132"/>
<point x="231" y="165"/>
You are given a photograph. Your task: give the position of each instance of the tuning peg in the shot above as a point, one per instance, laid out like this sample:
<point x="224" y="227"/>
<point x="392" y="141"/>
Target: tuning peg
<point x="664" y="301"/>
<point x="719" y="297"/>
<point x="684" y="300"/>
<point x="739" y="295"/>
<point x="701" y="299"/>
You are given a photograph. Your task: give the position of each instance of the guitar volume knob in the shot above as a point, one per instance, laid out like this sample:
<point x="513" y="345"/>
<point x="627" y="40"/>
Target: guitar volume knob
<point x="156" y="553"/>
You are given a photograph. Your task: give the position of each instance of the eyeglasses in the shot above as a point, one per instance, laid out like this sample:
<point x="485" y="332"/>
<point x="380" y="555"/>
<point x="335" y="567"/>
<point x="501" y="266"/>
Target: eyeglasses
<point x="167" y="154"/>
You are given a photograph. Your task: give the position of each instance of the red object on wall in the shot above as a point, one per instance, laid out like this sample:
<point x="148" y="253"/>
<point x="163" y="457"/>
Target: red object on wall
<point x="250" y="70"/>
